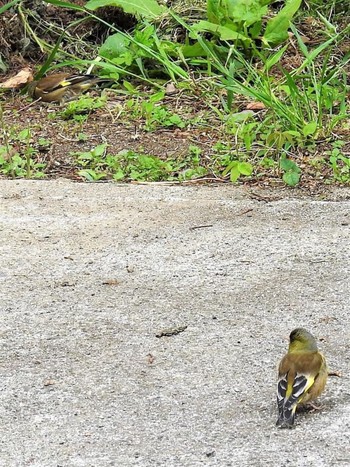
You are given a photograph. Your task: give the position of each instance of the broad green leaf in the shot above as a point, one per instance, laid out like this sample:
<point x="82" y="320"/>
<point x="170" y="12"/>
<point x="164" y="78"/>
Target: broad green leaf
<point x="276" y="139"/>
<point x="231" y="165"/>
<point x="225" y="33"/>
<point x="245" y="168"/>
<point x="24" y="134"/>
<point x="214" y="12"/>
<point x="290" y="8"/>
<point x="255" y="30"/>
<point x="194" y="50"/>
<point x="291" y="178"/>
<point x="91" y="175"/>
<point x="119" y="175"/>
<point x="100" y="149"/>
<point x="129" y="87"/>
<point x="234" y="174"/>
<point x="288" y="165"/>
<point x="114" y="46"/>
<point x="293" y="133"/>
<point x="125" y="59"/>
<point x="241" y="116"/>
<point x="239" y="12"/>
<point x="277" y="28"/>
<point x="144" y="8"/>
<point x="310" y="129"/>
<point x="157" y="97"/>
<point x="246" y="11"/>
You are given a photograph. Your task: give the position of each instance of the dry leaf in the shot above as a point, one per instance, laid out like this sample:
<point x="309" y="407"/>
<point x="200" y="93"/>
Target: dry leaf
<point x="255" y="106"/>
<point x="306" y="39"/>
<point x="25" y="76"/>
<point x="170" y="89"/>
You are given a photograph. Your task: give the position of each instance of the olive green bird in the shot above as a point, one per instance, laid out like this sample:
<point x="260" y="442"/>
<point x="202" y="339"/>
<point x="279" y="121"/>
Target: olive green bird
<point x="302" y="376"/>
<point x="61" y="87"/>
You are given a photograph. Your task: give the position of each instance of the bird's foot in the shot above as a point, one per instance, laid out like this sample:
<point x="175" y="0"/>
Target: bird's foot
<point x="311" y="407"/>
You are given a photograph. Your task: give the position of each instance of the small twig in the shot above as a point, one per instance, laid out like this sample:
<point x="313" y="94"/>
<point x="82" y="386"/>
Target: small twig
<point x="266" y="199"/>
<point x="30" y="105"/>
<point x="334" y="373"/>
<point x="171" y="331"/>
<point x="245" y="212"/>
<point x="140" y="182"/>
<point x="200" y="226"/>
<point x="204" y="179"/>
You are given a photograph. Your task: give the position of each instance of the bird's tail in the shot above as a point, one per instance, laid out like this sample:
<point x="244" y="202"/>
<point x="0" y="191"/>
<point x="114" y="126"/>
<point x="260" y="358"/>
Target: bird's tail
<point x="286" y="406"/>
<point x="92" y="80"/>
<point x="286" y="417"/>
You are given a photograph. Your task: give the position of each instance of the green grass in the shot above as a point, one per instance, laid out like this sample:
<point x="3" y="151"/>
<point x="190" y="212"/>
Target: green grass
<point x="244" y="61"/>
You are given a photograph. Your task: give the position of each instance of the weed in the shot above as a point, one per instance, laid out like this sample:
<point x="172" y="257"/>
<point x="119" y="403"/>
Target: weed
<point x="19" y="159"/>
<point x="291" y="171"/>
<point x="79" y="109"/>
<point x="154" y="114"/>
<point x="340" y="164"/>
<point x="191" y="166"/>
<point x="236" y="169"/>
<point x="130" y="165"/>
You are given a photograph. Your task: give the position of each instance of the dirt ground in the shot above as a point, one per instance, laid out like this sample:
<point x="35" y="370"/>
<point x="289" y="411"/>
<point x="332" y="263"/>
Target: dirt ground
<point x="124" y="133"/>
<point x="92" y="273"/>
<point x="104" y="125"/>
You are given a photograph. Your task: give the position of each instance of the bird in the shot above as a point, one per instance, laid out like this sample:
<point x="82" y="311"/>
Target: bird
<point x="302" y="376"/>
<point x="61" y="87"/>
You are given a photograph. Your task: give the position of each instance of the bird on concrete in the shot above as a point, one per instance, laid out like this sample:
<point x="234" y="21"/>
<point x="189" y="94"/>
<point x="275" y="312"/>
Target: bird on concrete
<point x="302" y="376"/>
<point x="62" y="87"/>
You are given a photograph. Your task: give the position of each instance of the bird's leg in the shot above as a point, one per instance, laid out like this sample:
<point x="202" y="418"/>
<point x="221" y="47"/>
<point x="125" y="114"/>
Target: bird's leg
<point x="308" y="407"/>
<point x="313" y="407"/>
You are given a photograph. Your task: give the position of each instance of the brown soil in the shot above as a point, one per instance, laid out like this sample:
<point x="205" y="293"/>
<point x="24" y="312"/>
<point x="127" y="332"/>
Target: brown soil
<point x="21" y="26"/>
<point x="105" y="126"/>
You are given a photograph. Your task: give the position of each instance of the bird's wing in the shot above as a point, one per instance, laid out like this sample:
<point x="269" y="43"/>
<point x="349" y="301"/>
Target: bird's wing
<point x="290" y="392"/>
<point x="295" y="379"/>
<point x="71" y="80"/>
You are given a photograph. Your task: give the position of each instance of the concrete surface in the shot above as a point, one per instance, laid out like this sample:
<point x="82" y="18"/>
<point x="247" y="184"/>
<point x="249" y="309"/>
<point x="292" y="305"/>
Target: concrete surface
<point x="90" y="273"/>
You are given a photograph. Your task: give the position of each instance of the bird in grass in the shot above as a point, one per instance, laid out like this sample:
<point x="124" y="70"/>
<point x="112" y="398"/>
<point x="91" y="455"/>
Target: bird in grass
<point x="61" y="87"/>
<point x="302" y="376"/>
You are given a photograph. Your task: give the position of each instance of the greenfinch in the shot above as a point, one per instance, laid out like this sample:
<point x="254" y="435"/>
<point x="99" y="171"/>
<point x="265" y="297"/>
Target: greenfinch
<point x="302" y="376"/>
<point x="62" y="87"/>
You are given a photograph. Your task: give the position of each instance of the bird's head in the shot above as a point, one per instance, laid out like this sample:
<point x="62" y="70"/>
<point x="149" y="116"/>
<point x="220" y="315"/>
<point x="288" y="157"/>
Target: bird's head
<point x="302" y="340"/>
